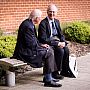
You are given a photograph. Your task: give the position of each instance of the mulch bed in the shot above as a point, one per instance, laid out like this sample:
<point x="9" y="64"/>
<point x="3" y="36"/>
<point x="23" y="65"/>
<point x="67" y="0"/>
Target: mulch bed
<point x="78" y="49"/>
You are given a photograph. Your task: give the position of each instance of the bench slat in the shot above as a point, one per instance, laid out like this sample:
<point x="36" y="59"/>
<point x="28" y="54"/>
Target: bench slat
<point x="11" y="62"/>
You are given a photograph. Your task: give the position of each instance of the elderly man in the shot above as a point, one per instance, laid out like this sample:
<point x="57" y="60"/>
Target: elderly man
<point x="50" y="33"/>
<point x="28" y="49"/>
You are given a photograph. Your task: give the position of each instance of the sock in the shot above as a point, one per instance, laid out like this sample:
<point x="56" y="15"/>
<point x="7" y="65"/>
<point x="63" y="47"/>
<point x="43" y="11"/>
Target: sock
<point x="48" y="77"/>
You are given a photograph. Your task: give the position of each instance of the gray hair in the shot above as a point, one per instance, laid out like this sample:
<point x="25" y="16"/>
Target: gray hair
<point x="35" y="13"/>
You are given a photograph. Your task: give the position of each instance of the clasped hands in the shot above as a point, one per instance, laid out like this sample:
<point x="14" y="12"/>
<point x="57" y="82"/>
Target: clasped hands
<point x="61" y="44"/>
<point x="45" y="45"/>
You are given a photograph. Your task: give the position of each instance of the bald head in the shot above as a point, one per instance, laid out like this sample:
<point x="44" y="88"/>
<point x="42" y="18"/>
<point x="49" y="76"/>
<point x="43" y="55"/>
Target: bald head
<point x="35" y="16"/>
<point x="35" y="13"/>
<point x="52" y="7"/>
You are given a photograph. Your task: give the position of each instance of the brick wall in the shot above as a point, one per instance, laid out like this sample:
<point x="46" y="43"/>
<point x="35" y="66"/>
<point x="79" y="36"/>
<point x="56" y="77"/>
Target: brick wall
<point x="13" y="12"/>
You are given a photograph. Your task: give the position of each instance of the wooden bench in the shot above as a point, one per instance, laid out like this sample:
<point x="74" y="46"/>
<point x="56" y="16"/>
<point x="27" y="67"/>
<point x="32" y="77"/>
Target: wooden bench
<point x="9" y="66"/>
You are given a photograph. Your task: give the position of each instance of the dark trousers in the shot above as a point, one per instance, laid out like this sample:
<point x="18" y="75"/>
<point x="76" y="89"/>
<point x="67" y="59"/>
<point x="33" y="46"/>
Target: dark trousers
<point x="44" y="55"/>
<point x="49" y="62"/>
<point x="62" y="58"/>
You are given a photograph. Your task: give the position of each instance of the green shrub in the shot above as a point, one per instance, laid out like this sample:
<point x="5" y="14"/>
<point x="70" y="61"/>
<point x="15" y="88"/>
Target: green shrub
<point x="7" y="45"/>
<point x="78" y="31"/>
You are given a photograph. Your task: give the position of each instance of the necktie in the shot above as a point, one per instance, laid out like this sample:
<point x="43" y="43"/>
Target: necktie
<point x="54" y="31"/>
<point x="53" y="27"/>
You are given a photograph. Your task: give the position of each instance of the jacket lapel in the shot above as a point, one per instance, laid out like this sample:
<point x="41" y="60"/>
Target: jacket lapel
<point x="57" y="27"/>
<point x="33" y="28"/>
<point x="48" y="27"/>
<point x="56" y="24"/>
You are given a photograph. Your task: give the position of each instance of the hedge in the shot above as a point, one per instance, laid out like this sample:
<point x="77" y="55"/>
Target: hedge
<point x="78" y="32"/>
<point x="7" y="45"/>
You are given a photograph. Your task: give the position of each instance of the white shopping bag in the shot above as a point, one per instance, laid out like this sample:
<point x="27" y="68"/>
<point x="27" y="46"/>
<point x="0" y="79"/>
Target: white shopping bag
<point x="73" y="65"/>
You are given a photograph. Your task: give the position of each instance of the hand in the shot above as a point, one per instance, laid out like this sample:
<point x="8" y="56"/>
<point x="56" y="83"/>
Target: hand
<point x="61" y="44"/>
<point x="45" y="45"/>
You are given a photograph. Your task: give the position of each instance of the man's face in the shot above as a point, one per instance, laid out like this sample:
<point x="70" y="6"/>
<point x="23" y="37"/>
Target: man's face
<point x="52" y="11"/>
<point x="51" y="14"/>
<point x="37" y="20"/>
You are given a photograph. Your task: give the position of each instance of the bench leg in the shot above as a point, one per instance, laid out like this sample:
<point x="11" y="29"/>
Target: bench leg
<point x="10" y="78"/>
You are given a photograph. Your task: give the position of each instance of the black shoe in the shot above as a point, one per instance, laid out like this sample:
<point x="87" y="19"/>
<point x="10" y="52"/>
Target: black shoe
<point x="55" y="80"/>
<point x="58" y="76"/>
<point x="52" y="84"/>
<point x="67" y="74"/>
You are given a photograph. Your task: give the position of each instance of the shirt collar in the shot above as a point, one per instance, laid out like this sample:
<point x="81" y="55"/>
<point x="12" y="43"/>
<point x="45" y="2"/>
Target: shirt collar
<point x="49" y="20"/>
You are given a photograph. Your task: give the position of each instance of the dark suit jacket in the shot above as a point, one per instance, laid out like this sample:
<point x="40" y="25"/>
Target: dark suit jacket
<point x="44" y="32"/>
<point x="27" y="47"/>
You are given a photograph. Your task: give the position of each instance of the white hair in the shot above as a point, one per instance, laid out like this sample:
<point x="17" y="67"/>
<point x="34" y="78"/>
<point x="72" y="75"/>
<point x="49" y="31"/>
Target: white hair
<point x="52" y="7"/>
<point x="35" y="13"/>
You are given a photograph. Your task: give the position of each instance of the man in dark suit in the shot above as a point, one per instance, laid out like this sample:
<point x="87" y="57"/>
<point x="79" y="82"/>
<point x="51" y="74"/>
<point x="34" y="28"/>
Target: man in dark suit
<point x="28" y="49"/>
<point x="50" y="33"/>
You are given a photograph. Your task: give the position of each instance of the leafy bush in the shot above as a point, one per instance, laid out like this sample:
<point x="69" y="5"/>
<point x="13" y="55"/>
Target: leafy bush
<point x="78" y="31"/>
<point x="7" y="45"/>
